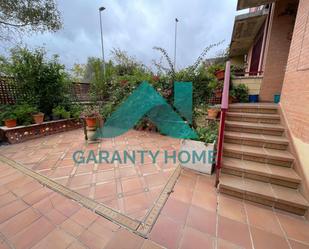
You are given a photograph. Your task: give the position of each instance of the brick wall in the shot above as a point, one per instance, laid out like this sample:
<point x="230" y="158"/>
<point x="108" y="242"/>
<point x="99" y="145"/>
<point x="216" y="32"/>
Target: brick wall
<point x="277" y="50"/>
<point x="295" y="91"/>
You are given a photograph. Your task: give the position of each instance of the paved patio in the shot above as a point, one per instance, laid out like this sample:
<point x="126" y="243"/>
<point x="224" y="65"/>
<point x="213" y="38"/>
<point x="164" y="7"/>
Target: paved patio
<point x="127" y="188"/>
<point x="195" y="215"/>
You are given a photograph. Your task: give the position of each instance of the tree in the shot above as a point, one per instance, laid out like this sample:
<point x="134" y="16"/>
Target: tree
<point x="21" y="16"/>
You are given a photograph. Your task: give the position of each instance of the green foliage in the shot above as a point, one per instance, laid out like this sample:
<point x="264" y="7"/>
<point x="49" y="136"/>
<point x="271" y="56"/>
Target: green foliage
<point x="60" y="112"/>
<point x="18" y="17"/>
<point x="7" y="112"/>
<point x="209" y="133"/>
<point x="24" y="112"/>
<point x="40" y="82"/>
<point x="240" y="92"/>
<point x="75" y="110"/>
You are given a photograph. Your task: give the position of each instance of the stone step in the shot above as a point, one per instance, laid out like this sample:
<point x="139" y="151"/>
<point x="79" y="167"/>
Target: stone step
<point x="257" y="140"/>
<point x="256" y="128"/>
<point x="262" y="155"/>
<point x="253" y="117"/>
<point x="254" y="108"/>
<point x="282" y="176"/>
<point x="278" y="197"/>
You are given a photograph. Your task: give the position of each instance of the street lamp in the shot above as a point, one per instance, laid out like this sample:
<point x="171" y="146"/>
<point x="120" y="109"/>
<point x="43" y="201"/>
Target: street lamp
<point x="100" y="10"/>
<point x="176" y="21"/>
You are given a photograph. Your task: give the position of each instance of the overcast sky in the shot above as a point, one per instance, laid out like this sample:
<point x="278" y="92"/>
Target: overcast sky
<point x="138" y="25"/>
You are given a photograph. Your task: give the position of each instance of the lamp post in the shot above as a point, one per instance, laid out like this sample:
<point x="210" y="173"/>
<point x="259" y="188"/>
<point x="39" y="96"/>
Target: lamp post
<point x="100" y="10"/>
<point x="176" y="21"/>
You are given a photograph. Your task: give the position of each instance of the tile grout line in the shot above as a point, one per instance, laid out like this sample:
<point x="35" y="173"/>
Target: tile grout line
<point x="282" y="230"/>
<point x="249" y="227"/>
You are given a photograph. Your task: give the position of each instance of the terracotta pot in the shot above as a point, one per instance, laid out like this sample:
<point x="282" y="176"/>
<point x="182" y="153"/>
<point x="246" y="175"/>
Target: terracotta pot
<point x="38" y="118"/>
<point x="212" y="113"/>
<point x="10" y="123"/>
<point x="91" y="121"/>
<point x="220" y="74"/>
<point x="101" y="122"/>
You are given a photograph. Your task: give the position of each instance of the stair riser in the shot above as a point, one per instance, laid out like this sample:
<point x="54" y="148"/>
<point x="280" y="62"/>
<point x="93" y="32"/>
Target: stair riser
<point x="262" y="200"/>
<point x="254" y="110"/>
<point x="261" y="144"/>
<point x="263" y="178"/>
<point x="257" y="158"/>
<point x="255" y="131"/>
<point x="253" y="120"/>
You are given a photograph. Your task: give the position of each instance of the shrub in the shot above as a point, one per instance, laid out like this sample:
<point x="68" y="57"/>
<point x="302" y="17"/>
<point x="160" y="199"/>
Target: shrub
<point x="7" y="112"/>
<point x="24" y="113"/>
<point x="60" y="112"/>
<point x="209" y="133"/>
<point x="40" y="82"/>
<point x="240" y="92"/>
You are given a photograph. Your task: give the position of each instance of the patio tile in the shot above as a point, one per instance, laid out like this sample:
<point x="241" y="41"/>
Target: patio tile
<point x="182" y="194"/>
<point x="37" y="195"/>
<point x="77" y="245"/>
<point x="136" y="202"/>
<point x="125" y="240"/>
<point x="203" y="220"/>
<point x="92" y="240"/>
<point x="81" y="180"/>
<point x="71" y="227"/>
<point x="298" y="245"/>
<point x="223" y="244"/>
<point x="105" y="176"/>
<point x="206" y="200"/>
<point x="27" y="188"/>
<point x="84" y="217"/>
<point x="19" y="222"/>
<point x="65" y="206"/>
<point x="148" y="244"/>
<point x="232" y="208"/>
<point x="56" y="239"/>
<point x="176" y="210"/>
<point x="12" y="209"/>
<point x="132" y="185"/>
<point x="106" y="190"/>
<point x="6" y="199"/>
<point x="296" y="228"/>
<point x="262" y="240"/>
<point x="55" y="217"/>
<point x="194" y="239"/>
<point x="33" y="234"/>
<point x="263" y="218"/>
<point x="234" y="231"/>
<point x="166" y="232"/>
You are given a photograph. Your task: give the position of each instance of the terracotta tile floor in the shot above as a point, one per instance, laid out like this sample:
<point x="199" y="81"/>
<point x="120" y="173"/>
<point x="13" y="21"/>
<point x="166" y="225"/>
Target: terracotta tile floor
<point x="195" y="215"/>
<point x="127" y="188"/>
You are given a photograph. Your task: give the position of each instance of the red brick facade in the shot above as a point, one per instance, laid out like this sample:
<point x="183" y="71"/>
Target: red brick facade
<point x="295" y="91"/>
<point x="277" y="50"/>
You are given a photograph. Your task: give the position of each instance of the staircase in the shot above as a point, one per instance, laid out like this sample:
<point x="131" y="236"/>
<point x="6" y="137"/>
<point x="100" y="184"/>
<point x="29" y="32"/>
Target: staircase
<point x="256" y="164"/>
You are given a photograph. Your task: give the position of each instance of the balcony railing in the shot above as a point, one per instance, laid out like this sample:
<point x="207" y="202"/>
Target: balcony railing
<point x="248" y="74"/>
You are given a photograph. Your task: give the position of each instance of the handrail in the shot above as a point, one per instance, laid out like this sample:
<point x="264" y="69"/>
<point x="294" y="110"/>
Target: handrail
<point x="224" y="108"/>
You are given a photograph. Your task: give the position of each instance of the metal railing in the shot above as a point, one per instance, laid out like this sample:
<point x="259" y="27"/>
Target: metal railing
<point x="224" y="108"/>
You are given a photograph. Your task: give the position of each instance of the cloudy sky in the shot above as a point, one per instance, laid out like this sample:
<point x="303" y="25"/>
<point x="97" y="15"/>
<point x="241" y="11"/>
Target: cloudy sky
<point x="138" y="25"/>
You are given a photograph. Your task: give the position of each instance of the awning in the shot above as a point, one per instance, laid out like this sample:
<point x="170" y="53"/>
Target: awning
<point x="245" y="4"/>
<point x="246" y="27"/>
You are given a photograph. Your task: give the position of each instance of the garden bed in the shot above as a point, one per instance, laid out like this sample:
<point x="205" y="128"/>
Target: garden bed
<point x="20" y="134"/>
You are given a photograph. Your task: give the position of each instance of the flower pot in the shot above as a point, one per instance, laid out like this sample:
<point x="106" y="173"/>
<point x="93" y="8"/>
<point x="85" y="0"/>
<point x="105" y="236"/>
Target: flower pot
<point x="220" y="74"/>
<point x="91" y="121"/>
<point x="38" y="118"/>
<point x="198" y="148"/>
<point x="212" y="113"/>
<point x="10" y="123"/>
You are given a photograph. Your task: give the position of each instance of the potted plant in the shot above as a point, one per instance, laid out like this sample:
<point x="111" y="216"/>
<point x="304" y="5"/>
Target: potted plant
<point x="60" y="112"/>
<point x="38" y="117"/>
<point x="203" y="145"/>
<point x="91" y="114"/>
<point x="240" y="93"/>
<point x="213" y="111"/>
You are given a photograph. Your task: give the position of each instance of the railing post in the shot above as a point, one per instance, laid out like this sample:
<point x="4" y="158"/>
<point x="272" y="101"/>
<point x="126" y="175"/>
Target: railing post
<point x="224" y="108"/>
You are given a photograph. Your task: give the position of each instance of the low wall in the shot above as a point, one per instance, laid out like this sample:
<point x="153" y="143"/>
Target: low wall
<point x="20" y="134"/>
<point x="252" y="82"/>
